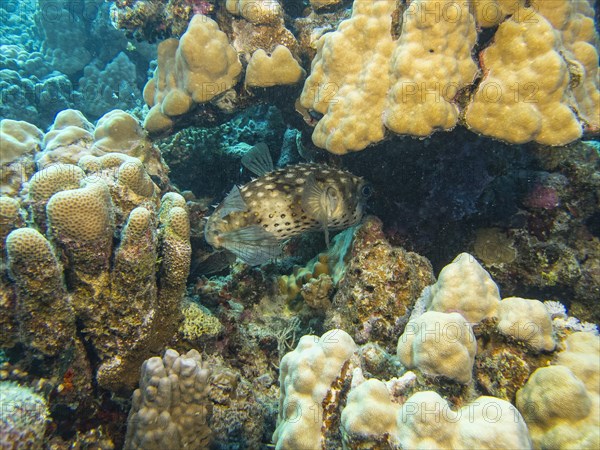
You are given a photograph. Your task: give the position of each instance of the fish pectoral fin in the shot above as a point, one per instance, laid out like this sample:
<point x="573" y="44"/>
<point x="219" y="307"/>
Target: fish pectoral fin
<point x="312" y="200"/>
<point x="232" y="203"/>
<point x="253" y="245"/>
<point x="315" y="204"/>
<point x="215" y="262"/>
<point x="258" y="160"/>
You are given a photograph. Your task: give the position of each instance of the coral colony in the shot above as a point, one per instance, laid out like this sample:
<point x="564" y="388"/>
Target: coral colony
<point x="300" y="225"/>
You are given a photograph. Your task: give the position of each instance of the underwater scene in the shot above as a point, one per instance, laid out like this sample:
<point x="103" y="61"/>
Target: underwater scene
<point x="299" y="224"/>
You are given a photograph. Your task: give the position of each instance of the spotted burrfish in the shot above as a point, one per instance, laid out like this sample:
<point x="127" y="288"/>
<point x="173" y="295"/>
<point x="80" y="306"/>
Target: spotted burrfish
<point x="255" y="220"/>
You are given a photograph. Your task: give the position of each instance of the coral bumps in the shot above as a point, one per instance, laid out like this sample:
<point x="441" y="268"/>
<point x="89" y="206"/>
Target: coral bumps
<point x="539" y="74"/>
<point x="438" y="397"/>
<point x="192" y="70"/>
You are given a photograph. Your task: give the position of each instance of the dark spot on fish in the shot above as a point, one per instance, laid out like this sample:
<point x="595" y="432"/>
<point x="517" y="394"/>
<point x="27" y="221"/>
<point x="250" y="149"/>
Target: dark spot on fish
<point x="258" y="220"/>
<point x="304" y="217"/>
<point x="265" y="226"/>
<point x="294" y="214"/>
<point x="283" y="216"/>
<point x="276" y="225"/>
<point x="271" y="215"/>
<point x="287" y="224"/>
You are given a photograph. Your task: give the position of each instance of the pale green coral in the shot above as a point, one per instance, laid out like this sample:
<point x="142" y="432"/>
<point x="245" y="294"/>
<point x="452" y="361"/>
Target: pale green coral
<point x="23" y="418"/>
<point x="198" y="322"/>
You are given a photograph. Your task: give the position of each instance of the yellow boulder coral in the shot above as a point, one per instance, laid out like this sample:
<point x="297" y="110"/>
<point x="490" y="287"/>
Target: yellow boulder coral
<point x="69" y="138"/>
<point x="490" y="13"/>
<point x="19" y="142"/>
<point x="256" y="11"/>
<point x="575" y="22"/>
<point x="432" y="62"/>
<point x="524" y="94"/>
<point x="278" y="68"/>
<point x="350" y="79"/>
<point x="464" y="287"/>
<point x="18" y="138"/>
<point x="195" y="69"/>
<point x="527" y="321"/>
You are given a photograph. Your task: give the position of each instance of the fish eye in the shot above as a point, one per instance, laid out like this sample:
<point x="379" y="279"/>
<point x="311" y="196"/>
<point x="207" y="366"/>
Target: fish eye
<point x="366" y="191"/>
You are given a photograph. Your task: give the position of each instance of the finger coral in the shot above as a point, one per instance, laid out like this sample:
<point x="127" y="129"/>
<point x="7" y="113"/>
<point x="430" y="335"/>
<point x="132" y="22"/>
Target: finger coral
<point x="45" y="316"/>
<point x="114" y="259"/>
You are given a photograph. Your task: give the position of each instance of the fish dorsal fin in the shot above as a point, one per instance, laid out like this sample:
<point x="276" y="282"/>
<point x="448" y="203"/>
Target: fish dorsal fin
<point x="319" y="202"/>
<point x="253" y="245"/>
<point x="233" y="203"/>
<point x="258" y="160"/>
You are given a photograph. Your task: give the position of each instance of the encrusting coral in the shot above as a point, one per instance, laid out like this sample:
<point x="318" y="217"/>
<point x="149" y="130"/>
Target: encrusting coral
<point x="379" y="285"/>
<point x="198" y="322"/>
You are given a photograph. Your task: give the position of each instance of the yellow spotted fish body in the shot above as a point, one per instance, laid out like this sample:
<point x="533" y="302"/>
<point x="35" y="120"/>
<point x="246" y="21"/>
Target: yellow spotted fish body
<point x="256" y="218"/>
